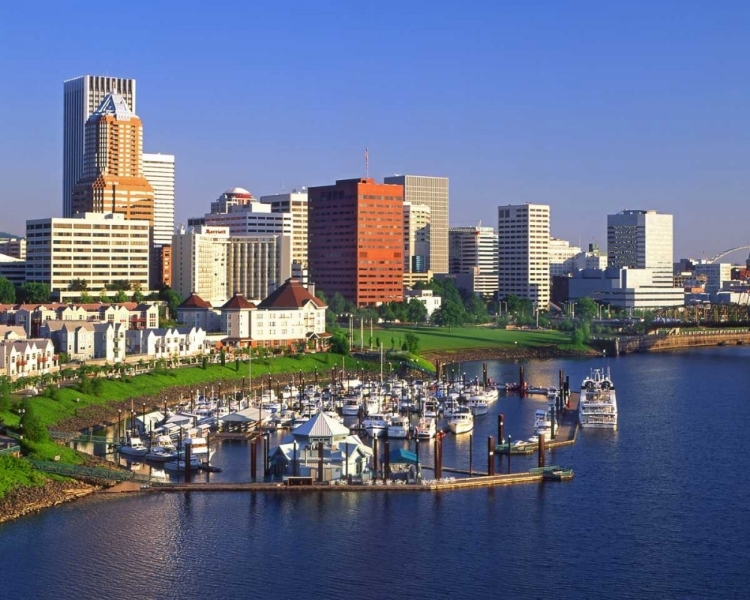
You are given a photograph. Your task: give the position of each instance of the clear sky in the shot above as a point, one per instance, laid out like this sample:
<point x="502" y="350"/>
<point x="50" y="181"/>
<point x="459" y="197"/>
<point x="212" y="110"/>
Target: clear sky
<point x="591" y="107"/>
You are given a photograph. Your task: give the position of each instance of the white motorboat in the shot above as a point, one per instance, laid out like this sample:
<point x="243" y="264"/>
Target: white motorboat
<point x="450" y="407"/>
<point x="478" y="405"/>
<point x="198" y="445"/>
<point x="597" y="406"/>
<point x="426" y="428"/>
<point x="133" y="447"/>
<point x="399" y="427"/>
<point x="162" y="449"/>
<point x="376" y="425"/>
<point x="461" y="421"/>
<point x="351" y="407"/>
<point x="430" y="408"/>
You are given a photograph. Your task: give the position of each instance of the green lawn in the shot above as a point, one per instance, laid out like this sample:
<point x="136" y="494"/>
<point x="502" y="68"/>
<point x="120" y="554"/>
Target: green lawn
<point x="466" y="338"/>
<point x="15" y="473"/>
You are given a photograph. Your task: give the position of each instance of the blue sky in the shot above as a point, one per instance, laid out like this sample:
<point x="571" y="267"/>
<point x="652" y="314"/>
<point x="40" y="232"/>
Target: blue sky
<point x="591" y="107"/>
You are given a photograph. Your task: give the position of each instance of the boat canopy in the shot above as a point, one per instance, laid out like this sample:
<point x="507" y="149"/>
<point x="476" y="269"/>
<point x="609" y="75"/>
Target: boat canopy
<point x="399" y="455"/>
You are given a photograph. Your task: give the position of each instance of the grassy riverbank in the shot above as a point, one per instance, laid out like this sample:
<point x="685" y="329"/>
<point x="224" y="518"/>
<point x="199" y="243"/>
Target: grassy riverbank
<point x="69" y="401"/>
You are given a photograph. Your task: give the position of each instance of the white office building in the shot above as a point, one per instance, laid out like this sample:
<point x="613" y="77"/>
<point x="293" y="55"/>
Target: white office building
<point x="82" y="96"/>
<point x="258" y="265"/>
<point x="561" y="255"/>
<point x="199" y="263"/>
<point x="434" y="192"/>
<point x="642" y="239"/>
<point x="294" y="203"/>
<point x="159" y="170"/>
<point x="416" y="243"/>
<point x="474" y="253"/>
<point x="100" y="248"/>
<point x="523" y="260"/>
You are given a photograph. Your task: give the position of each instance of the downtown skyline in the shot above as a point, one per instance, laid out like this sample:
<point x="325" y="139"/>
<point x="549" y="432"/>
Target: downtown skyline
<point x="590" y="111"/>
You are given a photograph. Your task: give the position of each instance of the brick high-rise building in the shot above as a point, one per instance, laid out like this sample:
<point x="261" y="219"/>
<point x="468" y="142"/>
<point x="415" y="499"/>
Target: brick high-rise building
<point x="113" y="180"/>
<point x="83" y="95"/>
<point x="356" y="240"/>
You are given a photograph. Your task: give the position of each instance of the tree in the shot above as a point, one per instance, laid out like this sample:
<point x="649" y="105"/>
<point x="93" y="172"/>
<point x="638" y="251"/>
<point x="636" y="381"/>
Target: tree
<point x="172" y="298"/>
<point x="138" y="296"/>
<point x="78" y="285"/>
<point x="416" y="311"/>
<point x="586" y="308"/>
<point x="120" y="285"/>
<point x="86" y="298"/>
<point x="121" y="296"/>
<point x="34" y="292"/>
<point x="32" y="426"/>
<point x="450" y="314"/>
<point x="476" y="309"/>
<point x="103" y="297"/>
<point x="339" y="342"/>
<point x="337" y="305"/>
<point x="411" y="341"/>
<point x="7" y="291"/>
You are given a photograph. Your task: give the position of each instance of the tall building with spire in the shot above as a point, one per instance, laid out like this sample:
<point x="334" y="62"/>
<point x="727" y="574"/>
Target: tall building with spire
<point x="82" y="96"/>
<point x="113" y="179"/>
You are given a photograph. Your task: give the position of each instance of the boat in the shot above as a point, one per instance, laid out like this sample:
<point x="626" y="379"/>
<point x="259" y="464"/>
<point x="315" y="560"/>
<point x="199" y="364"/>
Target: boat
<point x="133" y="447"/>
<point x="478" y="405"/>
<point x="399" y="427"/>
<point x="597" y="406"/>
<point x="351" y="407"/>
<point x="198" y="445"/>
<point x="430" y="408"/>
<point x="376" y="425"/>
<point x="426" y="428"/>
<point x="178" y="464"/>
<point x="162" y="449"/>
<point x="461" y="421"/>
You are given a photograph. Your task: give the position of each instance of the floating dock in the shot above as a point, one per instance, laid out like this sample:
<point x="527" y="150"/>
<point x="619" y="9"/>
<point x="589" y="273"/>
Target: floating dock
<point x="565" y="434"/>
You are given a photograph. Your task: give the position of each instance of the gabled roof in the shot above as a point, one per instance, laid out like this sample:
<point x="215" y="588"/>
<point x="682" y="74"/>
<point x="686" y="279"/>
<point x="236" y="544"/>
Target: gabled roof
<point x="320" y="426"/>
<point x="238" y="301"/>
<point x="291" y="294"/>
<point x="194" y="301"/>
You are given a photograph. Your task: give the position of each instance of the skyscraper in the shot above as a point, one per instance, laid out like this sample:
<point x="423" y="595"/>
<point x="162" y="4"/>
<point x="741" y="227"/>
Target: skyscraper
<point x="159" y="171"/>
<point x="474" y="252"/>
<point x="295" y="203"/>
<point x="523" y="265"/>
<point x="356" y="240"/>
<point x="432" y="191"/>
<point x="113" y="178"/>
<point x="82" y="96"/>
<point x="642" y="239"/>
<point x="416" y="243"/>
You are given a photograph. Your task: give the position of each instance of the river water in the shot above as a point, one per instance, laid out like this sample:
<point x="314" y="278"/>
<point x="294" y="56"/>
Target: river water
<point x="658" y="509"/>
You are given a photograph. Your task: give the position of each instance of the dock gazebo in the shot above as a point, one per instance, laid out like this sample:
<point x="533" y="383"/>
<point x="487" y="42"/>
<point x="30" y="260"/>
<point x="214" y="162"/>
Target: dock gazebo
<point x="321" y="448"/>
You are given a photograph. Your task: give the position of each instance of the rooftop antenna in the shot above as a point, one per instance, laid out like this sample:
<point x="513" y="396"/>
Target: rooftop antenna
<point x="367" y="162"/>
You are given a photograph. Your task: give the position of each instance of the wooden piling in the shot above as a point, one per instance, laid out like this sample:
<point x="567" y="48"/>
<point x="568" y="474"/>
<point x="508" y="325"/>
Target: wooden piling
<point x="253" y="462"/>
<point x="541" y="451"/>
<point x="521" y="382"/>
<point x="501" y="428"/>
<point x="386" y="460"/>
<point x="186" y="456"/>
<point x="471" y="454"/>
<point x="490" y="456"/>
<point x="375" y="453"/>
<point x="320" y="462"/>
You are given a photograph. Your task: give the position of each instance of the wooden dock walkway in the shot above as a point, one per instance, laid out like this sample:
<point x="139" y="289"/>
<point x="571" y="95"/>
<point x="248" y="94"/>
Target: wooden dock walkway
<point x="425" y="486"/>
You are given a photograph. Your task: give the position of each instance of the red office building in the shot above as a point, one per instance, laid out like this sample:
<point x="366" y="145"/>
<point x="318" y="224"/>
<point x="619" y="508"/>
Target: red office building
<point x="356" y="240"/>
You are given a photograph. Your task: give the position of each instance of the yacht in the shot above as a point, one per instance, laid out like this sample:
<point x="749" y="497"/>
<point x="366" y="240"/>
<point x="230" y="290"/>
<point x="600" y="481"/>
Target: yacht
<point x="430" y="408"/>
<point x="162" y="449"/>
<point x="399" y="427"/>
<point x="351" y="407"/>
<point x="461" y="421"/>
<point x="597" y="406"/>
<point x="133" y="447"/>
<point x="376" y="425"/>
<point x="178" y="464"/>
<point x="478" y="405"/>
<point x="426" y="428"/>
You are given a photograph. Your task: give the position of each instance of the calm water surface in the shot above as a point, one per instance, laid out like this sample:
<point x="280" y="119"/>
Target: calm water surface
<point x="658" y="509"/>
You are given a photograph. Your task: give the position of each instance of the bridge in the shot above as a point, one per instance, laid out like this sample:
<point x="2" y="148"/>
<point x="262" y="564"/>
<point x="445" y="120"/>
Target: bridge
<point x="725" y="252"/>
<point x="88" y="472"/>
<point x="67" y="436"/>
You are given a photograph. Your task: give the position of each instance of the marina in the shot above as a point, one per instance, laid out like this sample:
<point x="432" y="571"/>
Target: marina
<point x="622" y="476"/>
